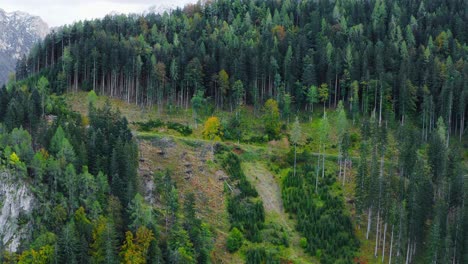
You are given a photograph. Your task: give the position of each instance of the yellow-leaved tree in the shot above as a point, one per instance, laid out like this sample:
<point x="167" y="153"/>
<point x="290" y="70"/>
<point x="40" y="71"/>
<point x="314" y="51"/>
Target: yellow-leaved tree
<point x="135" y="250"/>
<point x="14" y="159"/>
<point x="42" y="256"/>
<point x="212" y="130"/>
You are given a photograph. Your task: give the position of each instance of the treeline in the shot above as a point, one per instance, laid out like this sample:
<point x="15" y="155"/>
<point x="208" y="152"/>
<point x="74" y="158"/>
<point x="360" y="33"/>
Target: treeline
<point x="82" y="172"/>
<point x="407" y="59"/>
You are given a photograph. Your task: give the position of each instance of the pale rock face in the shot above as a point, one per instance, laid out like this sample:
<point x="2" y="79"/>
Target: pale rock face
<point x="19" y="31"/>
<point x="15" y="200"/>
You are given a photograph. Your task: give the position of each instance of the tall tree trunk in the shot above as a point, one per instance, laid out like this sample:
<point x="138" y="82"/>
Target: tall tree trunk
<point x="369" y="222"/>
<point x="339" y="163"/>
<point x="383" y="245"/>
<point x="377" y="229"/>
<point x="380" y="105"/>
<point x="137" y="88"/>
<point x="407" y="252"/>
<point x="399" y="232"/>
<point x="449" y="130"/>
<point x="323" y="165"/>
<point x="462" y="125"/>
<point x="391" y="248"/>
<point x="317" y="173"/>
<point x="344" y="171"/>
<point x="94" y="75"/>
<point x="295" y="154"/>
<point x="336" y="87"/>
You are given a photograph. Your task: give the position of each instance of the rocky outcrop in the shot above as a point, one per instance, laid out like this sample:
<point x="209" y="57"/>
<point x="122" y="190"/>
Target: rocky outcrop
<point x="16" y="204"/>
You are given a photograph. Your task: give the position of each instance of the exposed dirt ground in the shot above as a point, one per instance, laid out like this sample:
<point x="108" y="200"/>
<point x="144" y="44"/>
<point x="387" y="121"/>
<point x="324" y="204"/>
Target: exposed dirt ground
<point x="193" y="171"/>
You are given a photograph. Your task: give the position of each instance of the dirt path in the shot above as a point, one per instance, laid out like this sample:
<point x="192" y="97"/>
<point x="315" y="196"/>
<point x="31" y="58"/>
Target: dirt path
<point x="270" y="192"/>
<point x="266" y="186"/>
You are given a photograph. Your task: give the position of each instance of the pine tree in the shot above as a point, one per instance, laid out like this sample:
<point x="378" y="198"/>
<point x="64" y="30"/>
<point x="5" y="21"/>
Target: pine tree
<point x="295" y="137"/>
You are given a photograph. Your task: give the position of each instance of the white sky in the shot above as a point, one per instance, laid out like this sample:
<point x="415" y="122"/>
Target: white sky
<point x="60" y="12"/>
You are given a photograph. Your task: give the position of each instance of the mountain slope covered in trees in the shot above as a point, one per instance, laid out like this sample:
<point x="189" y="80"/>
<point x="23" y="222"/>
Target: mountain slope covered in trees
<point x="357" y="107"/>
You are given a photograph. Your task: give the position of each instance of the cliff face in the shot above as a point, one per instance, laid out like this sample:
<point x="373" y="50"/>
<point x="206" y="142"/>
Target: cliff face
<point x="18" y="33"/>
<point x="16" y="204"/>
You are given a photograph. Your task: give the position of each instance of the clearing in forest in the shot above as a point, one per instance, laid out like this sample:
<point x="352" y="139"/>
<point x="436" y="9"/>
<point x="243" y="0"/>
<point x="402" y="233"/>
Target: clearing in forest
<point x="270" y="192"/>
<point x="267" y="188"/>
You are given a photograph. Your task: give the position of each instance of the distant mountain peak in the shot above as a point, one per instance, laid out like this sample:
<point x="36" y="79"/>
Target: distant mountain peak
<point x="160" y="9"/>
<point x="18" y="33"/>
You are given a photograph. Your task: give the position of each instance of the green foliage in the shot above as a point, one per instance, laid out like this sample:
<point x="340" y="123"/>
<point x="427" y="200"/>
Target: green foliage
<point x="238" y="93"/>
<point x="152" y="124"/>
<point x="235" y="128"/>
<point x="199" y="232"/>
<point x="296" y="132"/>
<point x="182" y="129"/>
<point x="232" y="165"/>
<point x="312" y="95"/>
<point x="104" y="245"/>
<point x="149" y="125"/>
<point x="323" y="92"/>
<point x="198" y="102"/>
<point x="321" y="217"/>
<point x="303" y="242"/>
<point x="44" y="255"/>
<point x="271" y="119"/>
<point x="259" y="254"/>
<point x="245" y="209"/>
<point x="388" y="58"/>
<point x="43" y="87"/>
<point x="275" y="234"/>
<point x="92" y="98"/>
<point x="234" y="240"/>
<point x="141" y="214"/>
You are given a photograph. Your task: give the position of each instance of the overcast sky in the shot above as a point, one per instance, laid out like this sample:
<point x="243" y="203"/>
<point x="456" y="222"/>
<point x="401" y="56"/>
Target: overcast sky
<point x="60" y="12"/>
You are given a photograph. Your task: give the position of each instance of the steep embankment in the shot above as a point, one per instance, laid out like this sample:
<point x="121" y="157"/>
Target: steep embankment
<point x="191" y="162"/>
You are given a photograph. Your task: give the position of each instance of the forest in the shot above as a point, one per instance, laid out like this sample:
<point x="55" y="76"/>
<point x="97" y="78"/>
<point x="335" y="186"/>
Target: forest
<point x="370" y="96"/>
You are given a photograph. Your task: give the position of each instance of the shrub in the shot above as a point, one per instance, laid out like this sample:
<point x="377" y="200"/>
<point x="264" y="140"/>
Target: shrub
<point x="182" y="129"/>
<point x="234" y="240"/>
<point x="149" y="125"/>
<point x="258" y="254"/>
<point x="303" y="242"/>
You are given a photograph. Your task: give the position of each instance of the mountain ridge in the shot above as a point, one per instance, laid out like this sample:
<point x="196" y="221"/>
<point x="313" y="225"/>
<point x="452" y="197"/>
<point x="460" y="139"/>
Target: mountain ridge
<point x="19" y="31"/>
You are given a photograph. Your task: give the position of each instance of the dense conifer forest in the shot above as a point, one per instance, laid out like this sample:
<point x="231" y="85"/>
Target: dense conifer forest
<point x="368" y="97"/>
